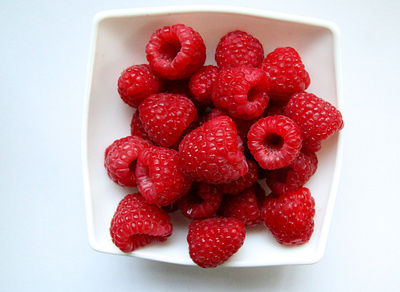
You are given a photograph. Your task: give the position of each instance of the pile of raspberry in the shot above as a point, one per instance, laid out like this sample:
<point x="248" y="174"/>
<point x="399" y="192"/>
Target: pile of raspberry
<point x="205" y="137"/>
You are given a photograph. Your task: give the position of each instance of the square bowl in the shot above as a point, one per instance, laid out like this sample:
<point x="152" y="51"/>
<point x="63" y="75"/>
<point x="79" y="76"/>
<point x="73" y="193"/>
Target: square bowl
<point x="118" y="41"/>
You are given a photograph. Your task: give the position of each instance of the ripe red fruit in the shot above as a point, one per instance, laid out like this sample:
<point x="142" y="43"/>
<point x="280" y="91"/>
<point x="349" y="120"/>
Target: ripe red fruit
<point x="175" y="52"/>
<point x="201" y="84"/>
<point x="136" y="224"/>
<point x="136" y="83"/>
<point x="246" y="206"/>
<point x="215" y="240"/>
<point x="159" y="177"/>
<point x="242" y="91"/>
<point x="274" y="141"/>
<point x="165" y="116"/>
<point x="317" y="118"/>
<point x="120" y="159"/>
<point x="293" y="176"/>
<point x="213" y="152"/>
<point x="286" y="73"/>
<point x="243" y="182"/>
<point x="202" y="201"/>
<point x="290" y="217"/>
<point x="239" y="48"/>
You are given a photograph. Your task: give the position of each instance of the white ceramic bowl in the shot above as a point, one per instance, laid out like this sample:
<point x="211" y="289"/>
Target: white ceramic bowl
<point x="118" y="40"/>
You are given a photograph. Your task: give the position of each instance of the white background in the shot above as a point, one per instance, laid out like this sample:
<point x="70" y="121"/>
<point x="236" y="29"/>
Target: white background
<point x="44" y="49"/>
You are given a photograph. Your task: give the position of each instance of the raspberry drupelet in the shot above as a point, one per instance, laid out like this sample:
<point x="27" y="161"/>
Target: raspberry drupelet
<point x="213" y="152"/>
<point x="242" y="91"/>
<point x="136" y="83"/>
<point x="137" y="223"/>
<point x="175" y="52"/>
<point x="274" y="141"/>
<point x="120" y="159"/>
<point x="213" y="241"/>
<point x="290" y="217"/>
<point x="238" y="48"/>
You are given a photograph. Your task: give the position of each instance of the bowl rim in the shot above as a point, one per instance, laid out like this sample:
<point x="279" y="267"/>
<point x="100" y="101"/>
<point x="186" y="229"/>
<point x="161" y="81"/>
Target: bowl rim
<point x="246" y="11"/>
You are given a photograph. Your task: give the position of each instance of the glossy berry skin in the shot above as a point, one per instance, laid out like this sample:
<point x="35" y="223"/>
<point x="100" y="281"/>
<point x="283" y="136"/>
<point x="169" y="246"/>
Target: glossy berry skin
<point x="242" y="91"/>
<point x="286" y="73"/>
<point x="120" y="159"/>
<point x="136" y="83"/>
<point x="165" y="116"/>
<point x="274" y="141"/>
<point x="136" y="224"/>
<point x="246" y="206"/>
<point x="243" y="182"/>
<point x="213" y="241"/>
<point x="175" y="52"/>
<point x="159" y="177"/>
<point x="202" y="82"/>
<point x="293" y="176"/>
<point x="238" y="48"/>
<point x="202" y="201"/>
<point x="317" y="118"/>
<point x="290" y="217"/>
<point x="213" y="152"/>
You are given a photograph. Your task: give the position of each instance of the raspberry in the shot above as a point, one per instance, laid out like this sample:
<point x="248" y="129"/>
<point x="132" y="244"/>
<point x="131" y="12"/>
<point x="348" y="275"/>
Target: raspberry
<point x="242" y="126"/>
<point x="213" y="152"/>
<point x="294" y="176"/>
<point x="290" y="217"/>
<point x="136" y="83"/>
<point x="243" y="182"/>
<point x="159" y="177"/>
<point x="318" y="119"/>
<point x="201" y="84"/>
<point x="286" y="71"/>
<point x="136" y="224"/>
<point x="245" y="207"/>
<point x="274" y="141"/>
<point x="242" y="91"/>
<point x="239" y="48"/>
<point x="202" y="201"/>
<point x="137" y="127"/>
<point x="175" y="52"/>
<point x="215" y="240"/>
<point x="165" y="116"/>
<point x="120" y="159"/>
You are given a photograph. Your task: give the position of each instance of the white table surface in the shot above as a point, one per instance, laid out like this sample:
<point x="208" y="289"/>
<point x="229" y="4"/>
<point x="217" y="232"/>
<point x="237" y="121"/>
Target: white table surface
<point x="43" y="237"/>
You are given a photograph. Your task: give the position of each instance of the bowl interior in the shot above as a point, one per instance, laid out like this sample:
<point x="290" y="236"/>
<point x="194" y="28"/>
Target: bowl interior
<point x="118" y="41"/>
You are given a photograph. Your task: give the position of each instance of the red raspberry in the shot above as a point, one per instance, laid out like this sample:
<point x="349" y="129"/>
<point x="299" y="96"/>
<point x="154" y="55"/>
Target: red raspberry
<point x="120" y="159"/>
<point x="136" y="83"/>
<point x="294" y="176"/>
<point x="318" y="119"/>
<point x="137" y="127"/>
<point x="274" y="141"/>
<point x="136" y="223"/>
<point x="286" y="71"/>
<point x="201" y="84"/>
<point x="176" y="52"/>
<point x="202" y="201"/>
<point x="165" y="116"/>
<point x="242" y="91"/>
<point x="239" y="48"/>
<point x="159" y="177"/>
<point x="243" y="182"/>
<point x="290" y="217"/>
<point x="213" y="152"/>
<point x="242" y="126"/>
<point x="245" y="207"/>
<point x="215" y="240"/>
